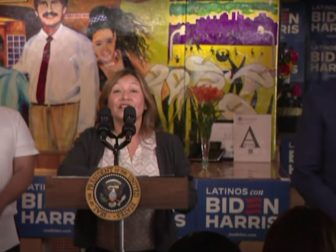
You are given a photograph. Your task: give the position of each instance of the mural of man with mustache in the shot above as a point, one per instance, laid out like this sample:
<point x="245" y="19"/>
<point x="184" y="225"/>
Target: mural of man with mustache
<point x="63" y="79"/>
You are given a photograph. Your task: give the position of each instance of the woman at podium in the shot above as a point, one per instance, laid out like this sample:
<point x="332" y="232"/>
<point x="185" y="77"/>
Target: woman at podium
<point x="150" y="152"/>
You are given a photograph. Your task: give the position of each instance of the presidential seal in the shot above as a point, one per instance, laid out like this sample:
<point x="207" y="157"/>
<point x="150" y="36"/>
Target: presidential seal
<point x="112" y="193"/>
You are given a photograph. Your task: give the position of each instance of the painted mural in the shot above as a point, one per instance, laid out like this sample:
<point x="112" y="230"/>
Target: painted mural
<point x="230" y="46"/>
<point x="207" y="46"/>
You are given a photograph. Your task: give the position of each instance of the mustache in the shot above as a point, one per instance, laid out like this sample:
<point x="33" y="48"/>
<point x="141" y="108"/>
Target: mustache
<point x="50" y="14"/>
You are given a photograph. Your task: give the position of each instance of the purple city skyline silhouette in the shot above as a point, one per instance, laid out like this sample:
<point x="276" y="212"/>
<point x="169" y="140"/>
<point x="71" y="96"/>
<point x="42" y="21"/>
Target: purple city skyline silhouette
<point x="239" y="30"/>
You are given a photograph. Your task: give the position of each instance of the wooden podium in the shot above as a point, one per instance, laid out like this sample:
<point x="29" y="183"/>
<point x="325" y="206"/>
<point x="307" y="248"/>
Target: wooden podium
<point x="156" y="193"/>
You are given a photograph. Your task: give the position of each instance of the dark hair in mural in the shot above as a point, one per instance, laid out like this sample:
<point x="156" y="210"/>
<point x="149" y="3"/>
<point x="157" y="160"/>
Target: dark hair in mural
<point x="99" y="18"/>
<point x="131" y="33"/>
<point x="64" y="2"/>
<point x="149" y="118"/>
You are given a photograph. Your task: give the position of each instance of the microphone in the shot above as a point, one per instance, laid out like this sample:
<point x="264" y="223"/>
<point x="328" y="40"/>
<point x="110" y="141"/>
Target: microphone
<point x="105" y="123"/>
<point x="128" y="130"/>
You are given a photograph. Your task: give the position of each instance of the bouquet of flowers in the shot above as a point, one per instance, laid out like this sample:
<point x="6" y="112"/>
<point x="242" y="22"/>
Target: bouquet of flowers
<point x="206" y="98"/>
<point x="287" y="92"/>
<point x="205" y="102"/>
<point x="288" y="60"/>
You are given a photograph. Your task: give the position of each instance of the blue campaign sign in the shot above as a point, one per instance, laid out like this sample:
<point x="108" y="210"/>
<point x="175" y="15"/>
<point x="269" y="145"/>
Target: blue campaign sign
<point x="186" y="222"/>
<point x="287" y="154"/>
<point x="241" y="209"/>
<point x="34" y="220"/>
<point x="322" y="63"/>
<point x="293" y="34"/>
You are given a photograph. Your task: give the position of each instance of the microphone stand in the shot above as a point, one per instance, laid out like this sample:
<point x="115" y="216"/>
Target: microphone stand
<point x="116" y="150"/>
<point x="116" y="147"/>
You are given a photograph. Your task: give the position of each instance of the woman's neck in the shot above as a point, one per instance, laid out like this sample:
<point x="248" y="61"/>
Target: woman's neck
<point x="108" y="69"/>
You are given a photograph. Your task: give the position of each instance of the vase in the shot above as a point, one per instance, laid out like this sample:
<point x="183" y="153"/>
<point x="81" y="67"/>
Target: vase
<point x="205" y="148"/>
<point x="205" y="133"/>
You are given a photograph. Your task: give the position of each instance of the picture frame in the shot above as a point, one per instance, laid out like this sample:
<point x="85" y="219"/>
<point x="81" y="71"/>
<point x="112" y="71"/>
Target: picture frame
<point x="222" y="132"/>
<point x="13" y="1"/>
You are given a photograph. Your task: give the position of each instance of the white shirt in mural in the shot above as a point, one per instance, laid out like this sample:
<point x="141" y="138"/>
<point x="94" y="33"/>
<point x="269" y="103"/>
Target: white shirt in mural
<point x="72" y="71"/>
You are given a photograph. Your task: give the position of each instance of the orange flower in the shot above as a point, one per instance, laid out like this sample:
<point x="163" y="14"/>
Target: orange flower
<point x="206" y="100"/>
<point x="207" y="93"/>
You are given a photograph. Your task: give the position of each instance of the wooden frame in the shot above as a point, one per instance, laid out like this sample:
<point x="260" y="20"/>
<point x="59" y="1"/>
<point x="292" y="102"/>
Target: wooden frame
<point x="13" y="1"/>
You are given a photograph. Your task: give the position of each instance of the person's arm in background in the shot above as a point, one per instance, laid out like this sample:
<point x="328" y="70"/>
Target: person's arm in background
<point x="24" y="61"/>
<point x="23" y="96"/>
<point x="89" y="87"/>
<point x="23" y="172"/>
<point x="312" y="152"/>
<point x="18" y="154"/>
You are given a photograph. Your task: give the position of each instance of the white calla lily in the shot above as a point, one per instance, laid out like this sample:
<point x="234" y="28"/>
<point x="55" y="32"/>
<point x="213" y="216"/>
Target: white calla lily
<point x="210" y="77"/>
<point x="254" y="76"/>
<point x="177" y="80"/>
<point x="205" y="72"/>
<point x="156" y="77"/>
<point x="232" y="104"/>
<point x="200" y="64"/>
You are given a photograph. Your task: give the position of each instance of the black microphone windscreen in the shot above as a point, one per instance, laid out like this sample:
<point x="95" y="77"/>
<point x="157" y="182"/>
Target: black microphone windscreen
<point x="128" y="130"/>
<point x="129" y="115"/>
<point x="105" y="122"/>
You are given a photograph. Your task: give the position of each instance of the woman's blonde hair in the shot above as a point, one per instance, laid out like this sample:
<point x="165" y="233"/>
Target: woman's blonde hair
<point x="149" y="117"/>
